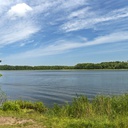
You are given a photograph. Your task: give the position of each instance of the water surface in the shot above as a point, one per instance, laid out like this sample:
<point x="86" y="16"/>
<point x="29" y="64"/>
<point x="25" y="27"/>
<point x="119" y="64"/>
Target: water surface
<point x="61" y="86"/>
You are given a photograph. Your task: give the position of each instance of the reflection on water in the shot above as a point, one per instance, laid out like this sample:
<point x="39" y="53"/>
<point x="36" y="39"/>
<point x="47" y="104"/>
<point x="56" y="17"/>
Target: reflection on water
<point x="61" y="86"/>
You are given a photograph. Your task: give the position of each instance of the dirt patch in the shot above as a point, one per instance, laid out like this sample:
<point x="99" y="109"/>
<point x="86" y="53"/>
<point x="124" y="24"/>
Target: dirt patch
<point x="24" y="123"/>
<point x="13" y="121"/>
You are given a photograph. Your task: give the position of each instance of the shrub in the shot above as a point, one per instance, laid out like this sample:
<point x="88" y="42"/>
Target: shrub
<point x="37" y="106"/>
<point x="25" y="104"/>
<point x="10" y="106"/>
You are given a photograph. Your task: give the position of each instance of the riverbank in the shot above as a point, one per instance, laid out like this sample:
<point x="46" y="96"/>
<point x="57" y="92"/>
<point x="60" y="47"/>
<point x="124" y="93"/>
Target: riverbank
<point x="101" y="112"/>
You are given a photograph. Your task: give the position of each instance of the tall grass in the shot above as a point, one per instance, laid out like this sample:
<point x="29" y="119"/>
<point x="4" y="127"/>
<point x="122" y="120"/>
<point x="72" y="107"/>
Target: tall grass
<point x="100" y="105"/>
<point x="80" y="106"/>
<point x="101" y="112"/>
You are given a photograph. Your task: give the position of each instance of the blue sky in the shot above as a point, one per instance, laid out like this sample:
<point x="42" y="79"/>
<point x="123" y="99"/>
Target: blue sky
<point x="63" y="32"/>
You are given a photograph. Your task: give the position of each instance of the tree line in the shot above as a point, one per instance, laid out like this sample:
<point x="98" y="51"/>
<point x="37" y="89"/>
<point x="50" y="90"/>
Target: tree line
<point x="102" y="65"/>
<point x="9" y="67"/>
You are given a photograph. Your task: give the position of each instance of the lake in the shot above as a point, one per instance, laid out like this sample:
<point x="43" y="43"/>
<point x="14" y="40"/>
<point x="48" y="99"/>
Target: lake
<point x="58" y="86"/>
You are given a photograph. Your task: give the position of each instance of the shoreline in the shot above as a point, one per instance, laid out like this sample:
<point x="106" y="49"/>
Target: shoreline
<point x="103" y="111"/>
<point x="68" y="70"/>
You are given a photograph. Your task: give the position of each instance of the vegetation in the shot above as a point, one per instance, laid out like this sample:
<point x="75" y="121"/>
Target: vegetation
<point x="102" y="65"/>
<point x="101" y="112"/>
<point x="9" y="67"/>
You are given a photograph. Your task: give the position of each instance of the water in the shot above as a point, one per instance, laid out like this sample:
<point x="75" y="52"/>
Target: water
<point x="61" y="86"/>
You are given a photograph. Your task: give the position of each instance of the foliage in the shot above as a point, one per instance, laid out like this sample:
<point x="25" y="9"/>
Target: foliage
<point x="37" y="106"/>
<point x="10" y="106"/>
<point x="100" y="105"/>
<point x="20" y="105"/>
<point x="101" y="112"/>
<point x="102" y="65"/>
<point x="9" y="67"/>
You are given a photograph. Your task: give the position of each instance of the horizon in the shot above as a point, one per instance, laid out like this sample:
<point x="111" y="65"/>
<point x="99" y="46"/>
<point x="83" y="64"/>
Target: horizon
<point x="63" y="32"/>
<point x="69" y="65"/>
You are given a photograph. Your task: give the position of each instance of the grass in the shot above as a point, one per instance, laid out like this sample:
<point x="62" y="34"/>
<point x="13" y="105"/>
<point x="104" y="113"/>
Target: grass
<point x="101" y="112"/>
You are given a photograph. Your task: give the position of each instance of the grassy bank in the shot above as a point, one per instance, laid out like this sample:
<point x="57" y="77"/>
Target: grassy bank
<point x="101" y="112"/>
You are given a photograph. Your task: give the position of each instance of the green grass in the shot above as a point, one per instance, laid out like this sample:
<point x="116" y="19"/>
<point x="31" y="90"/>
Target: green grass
<point x="101" y="112"/>
<point x="0" y="75"/>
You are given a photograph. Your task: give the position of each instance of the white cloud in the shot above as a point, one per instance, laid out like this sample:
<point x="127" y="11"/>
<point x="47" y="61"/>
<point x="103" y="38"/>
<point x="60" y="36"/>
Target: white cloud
<point x="17" y="32"/>
<point x="71" y="4"/>
<point x="111" y="38"/>
<point x="62" y="46"/>
<point x="81" y="13"/>
<point x="44" y="6"/>
<point x="3" y="5"/>
<point x="19" y="10"/>
<point x="13" y="31"/>
<point x="86" y="18"/>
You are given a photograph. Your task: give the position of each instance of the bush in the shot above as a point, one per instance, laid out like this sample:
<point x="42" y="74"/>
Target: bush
<point x="25" y="104"/>
<point x="37" y="106"/>
<point x="10" y="106"/>
<point x="18" y="105"/>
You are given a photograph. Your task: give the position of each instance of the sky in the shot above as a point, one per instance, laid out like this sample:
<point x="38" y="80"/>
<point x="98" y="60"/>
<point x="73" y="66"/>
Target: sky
<point x="63" y="32"/>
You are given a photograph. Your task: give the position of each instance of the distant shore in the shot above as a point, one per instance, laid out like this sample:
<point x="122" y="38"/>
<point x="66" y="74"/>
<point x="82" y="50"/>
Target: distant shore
<point x="116" y="65"/>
